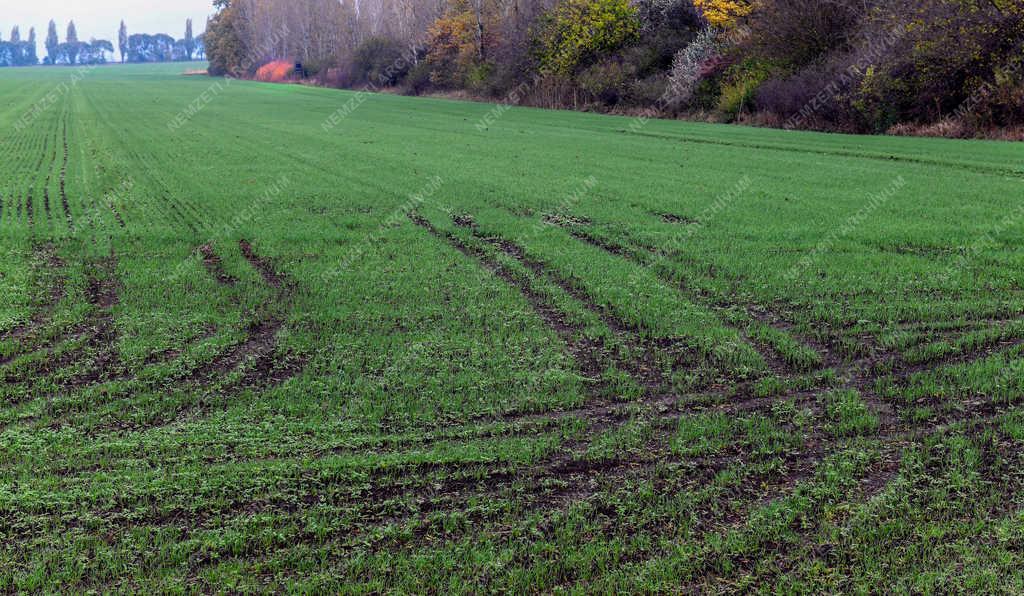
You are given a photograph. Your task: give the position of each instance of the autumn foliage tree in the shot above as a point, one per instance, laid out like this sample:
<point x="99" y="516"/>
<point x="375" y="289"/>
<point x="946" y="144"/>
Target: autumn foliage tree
<point x="723" y="13"/>
<point x="224" y="43"/>
<point x="579" y="30"/>
<point x="848" y="65"/>
<point x="928" y="78"/>
<point x="459" y="43"/>
<point x="451" y="48"/>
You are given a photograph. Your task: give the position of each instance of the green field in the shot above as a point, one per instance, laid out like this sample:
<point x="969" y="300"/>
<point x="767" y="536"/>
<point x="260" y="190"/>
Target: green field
<point x="304" y="339"/>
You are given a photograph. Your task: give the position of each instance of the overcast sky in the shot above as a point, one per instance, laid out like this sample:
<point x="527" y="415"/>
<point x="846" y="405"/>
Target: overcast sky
<point x="100" y="18"/>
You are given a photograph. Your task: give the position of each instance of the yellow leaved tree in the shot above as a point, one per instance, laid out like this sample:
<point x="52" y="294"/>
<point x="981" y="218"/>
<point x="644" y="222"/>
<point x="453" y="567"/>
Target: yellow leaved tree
<point x="723" y="13"/>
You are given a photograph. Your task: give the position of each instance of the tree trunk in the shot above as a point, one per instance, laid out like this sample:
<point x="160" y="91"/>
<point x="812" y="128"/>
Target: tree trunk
<point x="478" y="9"/>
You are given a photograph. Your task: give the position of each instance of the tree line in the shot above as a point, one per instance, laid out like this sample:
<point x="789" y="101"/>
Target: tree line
<point x="851" y="65"/>
<point x="18" y="52"/>
<point x="139" y="47"/>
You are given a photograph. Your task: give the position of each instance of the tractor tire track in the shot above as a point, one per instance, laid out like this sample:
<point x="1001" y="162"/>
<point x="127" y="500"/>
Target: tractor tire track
<point x="30" y="210"/>
<point x="99" y="332"/>
<point x="215" y="267"/>
<point x="103" y="293"/>
<point x="861" y="379"/>
<point x="645" y="367"/>
<point x="988" y="349"/>
<point x="46" y="254"/>
<point x="575" y="472"/>
<point x="65" y="205"/>
<point x="592" y="357"/>
<point x="49" y="176"/>
<point x="263" y="266"/>
<point x="255" y="360"/>
<point x="873" y="481"/>
<point x="775" y="361"/>
<point x="46" y="198"/>
<point x="860" y="374"/>
<point x="789" y="552"/>
<point x="589" y="355"/>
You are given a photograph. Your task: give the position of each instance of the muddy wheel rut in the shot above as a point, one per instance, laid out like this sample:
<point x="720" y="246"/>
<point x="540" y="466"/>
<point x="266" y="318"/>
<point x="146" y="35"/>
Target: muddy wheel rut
<point x="45" y="256"/>
<point x="65" y="205"/>
<point x="646" y="367"/>
<point x="574" y="472"/>
<point x="578" y="473"/>
<point x="567" y="478"/>
<point x="257" y="360"/>
<point x="776" y="362"/>
<point x="215" y="267"/>
<point x="570" y="474"/>
<point x="49" y="177"/>
<point x="590" y="356"/>
<point x="103" y="293"/>
<point x="862" y="375"/>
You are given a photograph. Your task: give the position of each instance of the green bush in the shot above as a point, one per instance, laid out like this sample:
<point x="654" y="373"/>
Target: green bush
<point x="648" y="91"/>
<point x="576" y="32"/>
<point x="606" y="81"/>
<point x="417" y="80"/>
<point x="739" y="92"/>
<point x="879" y="99"/>
<point x="380" y="61"/>
<point x="478" y="78"/>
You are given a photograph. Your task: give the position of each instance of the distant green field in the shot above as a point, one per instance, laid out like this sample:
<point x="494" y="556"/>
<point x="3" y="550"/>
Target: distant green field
<point x="258" y="337"/>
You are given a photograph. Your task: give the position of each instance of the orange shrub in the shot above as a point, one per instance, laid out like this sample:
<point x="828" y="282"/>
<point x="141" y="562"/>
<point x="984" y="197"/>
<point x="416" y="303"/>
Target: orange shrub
<point x="275" y="72"/>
